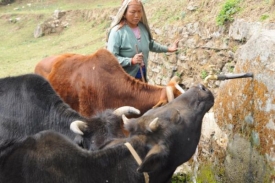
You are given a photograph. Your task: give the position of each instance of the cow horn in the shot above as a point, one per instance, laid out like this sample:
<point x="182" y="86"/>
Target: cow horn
<point x="154" y="124"/>
<point x="169" y="93"/>
<point x="77" y="125"/>
<point x="127" y="110"/>
<point x="179" y="88"/>
<point x="125" y="119"/>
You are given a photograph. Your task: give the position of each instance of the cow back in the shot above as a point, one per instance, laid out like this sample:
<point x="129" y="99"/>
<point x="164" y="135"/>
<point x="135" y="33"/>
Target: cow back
<point x="93" y="83"/>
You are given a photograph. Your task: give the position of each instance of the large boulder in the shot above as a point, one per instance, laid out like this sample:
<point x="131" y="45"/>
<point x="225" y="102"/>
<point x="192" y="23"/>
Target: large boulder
<point x="52" y="25"/>
<point x="245" y="110"/>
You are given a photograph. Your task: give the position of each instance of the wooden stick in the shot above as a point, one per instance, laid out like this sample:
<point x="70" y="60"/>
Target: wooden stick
<point x="140" y="68"/>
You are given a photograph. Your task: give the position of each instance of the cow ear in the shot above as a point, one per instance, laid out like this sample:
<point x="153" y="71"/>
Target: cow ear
<point x="154" y="159"/>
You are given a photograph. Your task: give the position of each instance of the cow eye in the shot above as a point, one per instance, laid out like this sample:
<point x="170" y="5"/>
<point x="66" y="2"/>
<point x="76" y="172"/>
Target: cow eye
<point x="202" y="87"/>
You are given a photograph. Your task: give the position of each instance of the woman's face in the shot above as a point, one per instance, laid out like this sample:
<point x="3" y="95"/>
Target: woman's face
<point x="133" y="14"/>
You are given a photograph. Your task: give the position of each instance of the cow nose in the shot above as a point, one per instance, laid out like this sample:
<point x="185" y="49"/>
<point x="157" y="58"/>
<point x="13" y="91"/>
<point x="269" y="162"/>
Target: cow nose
<point x="202" y="87"/>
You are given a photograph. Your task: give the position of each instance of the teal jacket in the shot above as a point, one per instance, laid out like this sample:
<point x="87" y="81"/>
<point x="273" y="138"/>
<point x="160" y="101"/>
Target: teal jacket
<point x="122" y="43"/>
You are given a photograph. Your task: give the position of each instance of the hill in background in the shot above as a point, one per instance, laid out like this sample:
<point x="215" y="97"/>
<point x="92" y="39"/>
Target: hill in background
<point x="88" y="21"/>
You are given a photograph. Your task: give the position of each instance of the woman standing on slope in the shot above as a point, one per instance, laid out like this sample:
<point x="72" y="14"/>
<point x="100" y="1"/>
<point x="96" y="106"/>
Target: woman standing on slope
<point x="130" y="39"/>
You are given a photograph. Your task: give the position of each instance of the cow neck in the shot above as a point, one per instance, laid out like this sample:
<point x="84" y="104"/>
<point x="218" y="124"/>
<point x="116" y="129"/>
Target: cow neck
<point x="137" y="158"/>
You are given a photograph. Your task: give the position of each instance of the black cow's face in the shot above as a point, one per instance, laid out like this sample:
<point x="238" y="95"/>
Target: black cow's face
<point x="108" y="130"/>
<point x="101" y="128"/>
<point x="173" y="131"/>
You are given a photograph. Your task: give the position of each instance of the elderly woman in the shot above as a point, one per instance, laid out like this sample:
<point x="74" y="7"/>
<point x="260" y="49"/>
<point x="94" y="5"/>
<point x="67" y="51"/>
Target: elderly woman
<point x="130" y="39"/>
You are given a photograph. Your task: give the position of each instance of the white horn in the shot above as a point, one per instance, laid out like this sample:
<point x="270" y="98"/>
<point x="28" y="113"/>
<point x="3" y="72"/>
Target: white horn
<point x="125" y="119"/>
<point x="179" y="88"/>
<point x="169" y="93"/>
<point x="76" y="125"/>
<point x="127" y="110"/>
<point x="154" y="124"/>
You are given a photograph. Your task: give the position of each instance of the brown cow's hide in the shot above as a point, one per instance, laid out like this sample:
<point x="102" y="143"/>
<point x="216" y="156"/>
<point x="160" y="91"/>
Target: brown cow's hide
<point x="95" y="82"/>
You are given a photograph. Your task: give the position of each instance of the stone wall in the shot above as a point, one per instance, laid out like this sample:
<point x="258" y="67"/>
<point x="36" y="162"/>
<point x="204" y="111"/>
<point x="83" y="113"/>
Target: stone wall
<point x="200" y="47"/>
<point x="238" y="133"/>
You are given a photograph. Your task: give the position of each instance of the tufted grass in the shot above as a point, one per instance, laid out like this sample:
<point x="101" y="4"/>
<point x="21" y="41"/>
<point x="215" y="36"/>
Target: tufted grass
<point x="48" y="6"/>
<point x="228" y="9"/>
<point x="20" y="51"/>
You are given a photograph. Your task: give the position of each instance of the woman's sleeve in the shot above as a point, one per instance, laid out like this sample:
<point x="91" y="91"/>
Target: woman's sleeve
<point x="113" y="45"/>
<point x="156" y="47"/>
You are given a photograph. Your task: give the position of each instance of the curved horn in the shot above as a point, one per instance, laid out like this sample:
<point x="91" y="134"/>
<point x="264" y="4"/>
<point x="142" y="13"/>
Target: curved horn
<point x="154" y="124"/>
<point x="127" y="110"/>
<point x="169" y="93"/>
<point x="179" y="88"/>
<point x="125" y="119"/>
<point x="77" y="125"/>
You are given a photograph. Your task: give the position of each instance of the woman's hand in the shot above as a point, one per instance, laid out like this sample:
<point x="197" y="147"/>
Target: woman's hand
<point x="138" y="59"/>
<point x="174" y="47"/>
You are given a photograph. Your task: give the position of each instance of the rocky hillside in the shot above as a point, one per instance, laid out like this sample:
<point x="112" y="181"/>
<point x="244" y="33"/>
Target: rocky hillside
<point x="202" y="41"/>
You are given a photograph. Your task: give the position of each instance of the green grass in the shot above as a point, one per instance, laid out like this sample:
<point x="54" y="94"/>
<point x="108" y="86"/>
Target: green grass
<point x="48" y="6"/>
<point x="204" y="74"/>
<point x="227" y="11"/>
<point x="20" y="51"/>
<point x="264" y="17"/>
<point x="181" y="178"/>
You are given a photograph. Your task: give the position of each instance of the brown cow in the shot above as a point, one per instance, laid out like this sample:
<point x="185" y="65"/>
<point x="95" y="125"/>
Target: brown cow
<point x="92" y="83"/>
<point x="44" y="67"/>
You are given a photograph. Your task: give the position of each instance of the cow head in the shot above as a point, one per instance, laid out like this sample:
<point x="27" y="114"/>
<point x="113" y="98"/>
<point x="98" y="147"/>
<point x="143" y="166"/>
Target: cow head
<point x="172" y="132"/>
<point x="101" y="128"/>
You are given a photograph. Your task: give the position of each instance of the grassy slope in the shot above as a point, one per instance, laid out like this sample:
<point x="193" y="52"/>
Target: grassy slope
<point x="20" y="51"/>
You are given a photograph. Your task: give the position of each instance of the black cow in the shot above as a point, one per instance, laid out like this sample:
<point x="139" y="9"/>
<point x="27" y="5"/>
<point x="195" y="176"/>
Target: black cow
<point x="28" y="104"/>
<point x="164" y="138"/>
